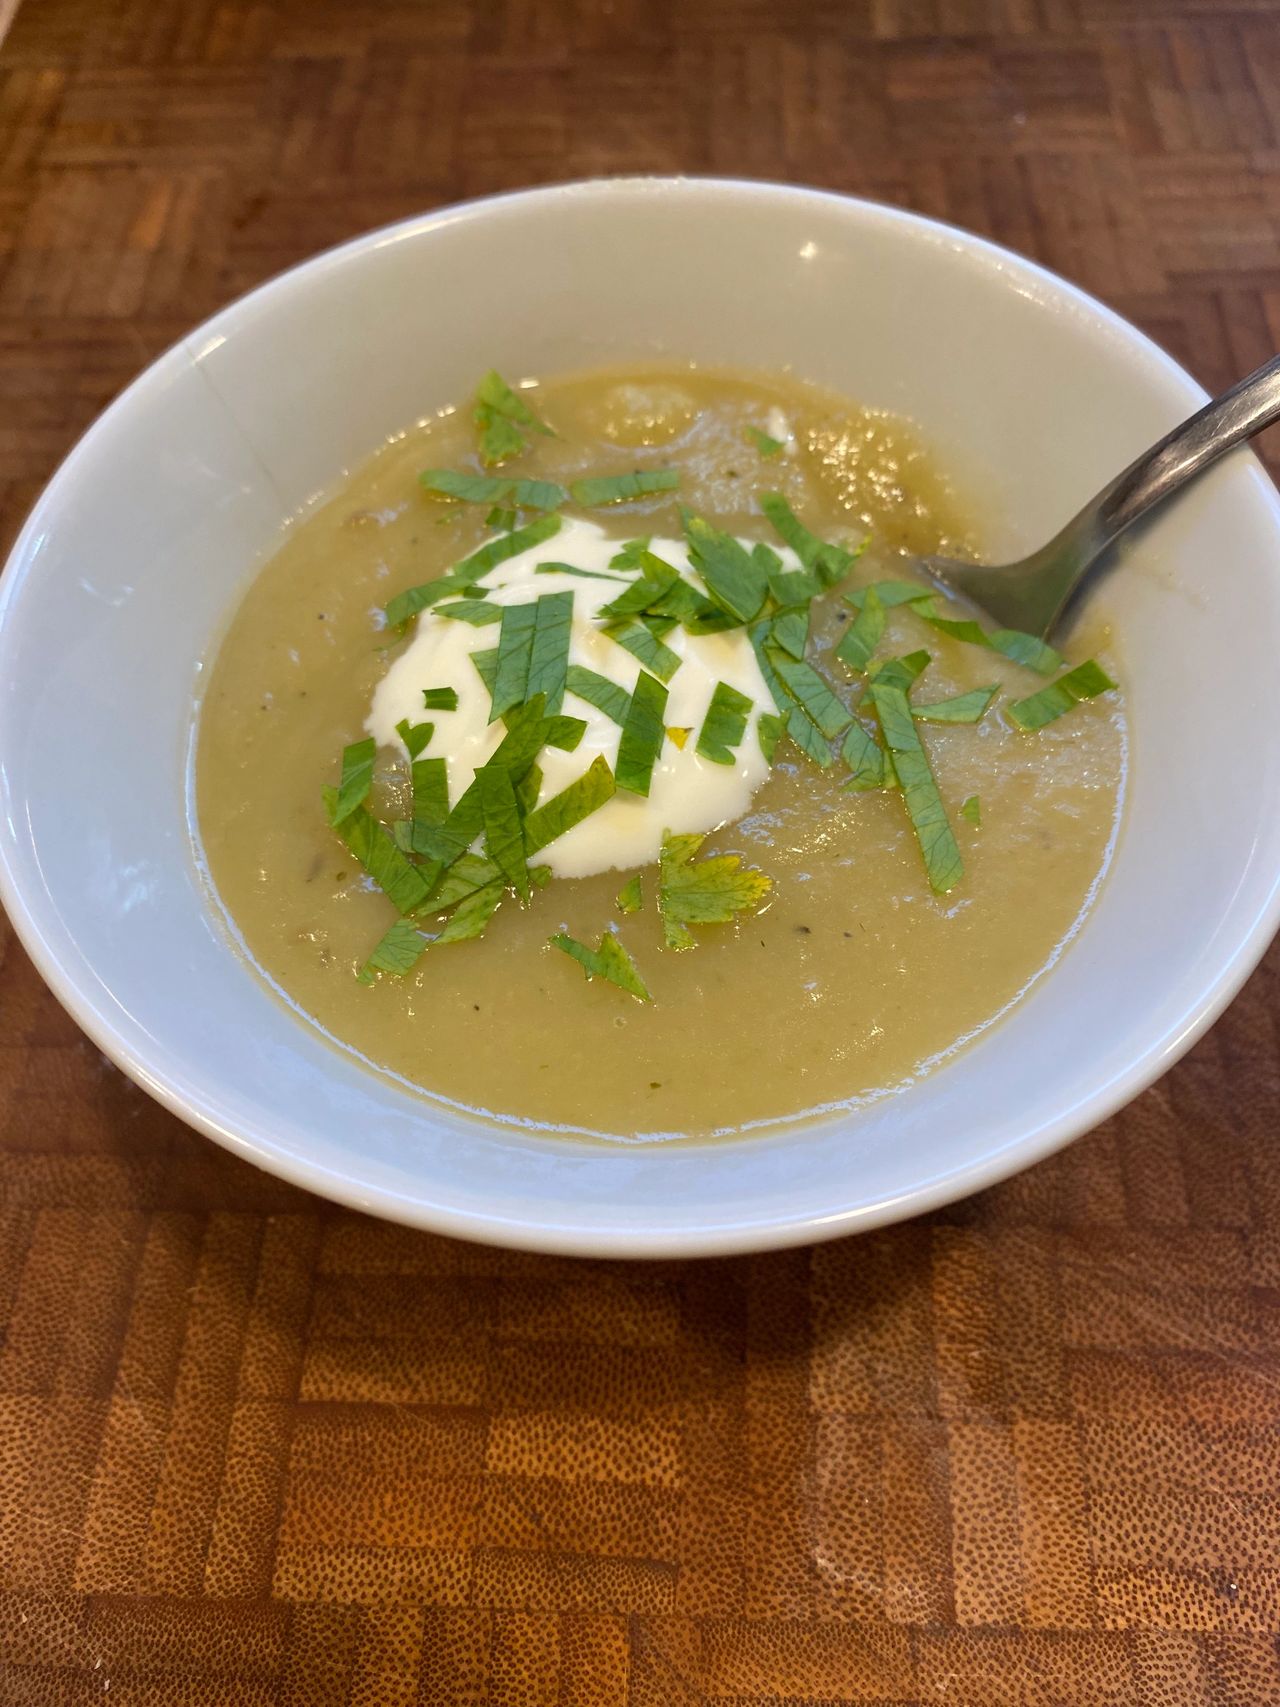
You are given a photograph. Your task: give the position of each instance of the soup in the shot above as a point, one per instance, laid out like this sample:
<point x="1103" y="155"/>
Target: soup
<point x="907" y="855"/>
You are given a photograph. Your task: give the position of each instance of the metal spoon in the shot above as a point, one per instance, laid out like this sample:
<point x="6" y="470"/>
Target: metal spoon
<point x="1032" y="593"/>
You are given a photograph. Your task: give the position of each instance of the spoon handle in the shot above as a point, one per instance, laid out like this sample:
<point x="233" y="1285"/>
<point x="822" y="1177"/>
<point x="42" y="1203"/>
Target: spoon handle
<point x="1221" y="425"/>
<point x="1163" y="470"/>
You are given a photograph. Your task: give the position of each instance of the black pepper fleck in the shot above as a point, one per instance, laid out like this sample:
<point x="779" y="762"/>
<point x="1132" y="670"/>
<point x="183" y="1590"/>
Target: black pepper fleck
<point x="802" y="930"/>
<point x="655" y="1084"/>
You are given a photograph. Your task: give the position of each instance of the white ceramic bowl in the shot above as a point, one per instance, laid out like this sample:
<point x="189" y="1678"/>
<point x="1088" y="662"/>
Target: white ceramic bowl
<point x="127" y="570"/>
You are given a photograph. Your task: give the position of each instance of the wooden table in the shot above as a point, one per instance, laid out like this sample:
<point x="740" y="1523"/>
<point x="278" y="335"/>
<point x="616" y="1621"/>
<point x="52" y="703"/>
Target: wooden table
<point x="254" y="1451"/>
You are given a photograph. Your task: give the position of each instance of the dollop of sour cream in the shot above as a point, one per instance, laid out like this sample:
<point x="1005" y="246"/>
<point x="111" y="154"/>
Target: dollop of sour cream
<point x="687" y="793"/>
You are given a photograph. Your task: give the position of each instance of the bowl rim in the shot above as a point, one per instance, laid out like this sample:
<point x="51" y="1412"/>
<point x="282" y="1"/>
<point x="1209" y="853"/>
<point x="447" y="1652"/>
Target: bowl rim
<point x="154" y="1074"/>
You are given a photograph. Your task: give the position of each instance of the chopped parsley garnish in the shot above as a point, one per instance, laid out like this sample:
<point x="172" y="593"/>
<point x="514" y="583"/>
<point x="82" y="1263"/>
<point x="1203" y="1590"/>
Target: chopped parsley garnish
<point x="1024" y="649"/>
<point x="869" y="765"/>
<point x="599" y="691"/>
<point x="478" y="612"/>
<point x="972" y="810"/>
<point x="734" y="578"/>
<point x="493" y="489"/>
<point x="809" y="738"/>
<point x="630" y="897"/>
<point x="928" y="815"/>
<point x="469" y="918"/>
<point x="791" y="630"/>
<point x="430" y="790"/>
<point x="440" y="699"/>
<point x="864" y="634"/>
<point x="623" y="488"/>
<point x="812" y="693"/>
<point x="579" y="800"/>
<point x="1084" y="682"/>
<point x="533" y="653"/>
<point x="642" y="735"/>
<point x="503" y="420"/>
<point x="724" y="725"/>
<point x="357" y="780"/>
<point x="583" y="574"/>
<point x="644" y="644"/>
<point x="528" y="789"/>
<point x="657" y="578"/>
<point x="764" y="442"/>
<point x="486" y="663"/>
<point x="770" y="728"/>
<point x="964" y="708"/>
<point x="828" y="561"/>
<point x="610" y="961"/>
<point x="415" y="736"/>
<point x="899" y="672"/>
<point x="890" y="593"/>
<point x="398" y="952"/>
<point x="704" y="891"/>
<point x="502" y="521"/>
<point x="374" y="848"/>
<point x="406" y="605"/>
<point x="503" y="830"/>
<point x="468" y="873"/>
<point x="506" y="546"/>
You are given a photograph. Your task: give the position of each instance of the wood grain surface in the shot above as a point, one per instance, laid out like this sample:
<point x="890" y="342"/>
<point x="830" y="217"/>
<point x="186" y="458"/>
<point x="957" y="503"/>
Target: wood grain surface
<point x="255" y="1452"/>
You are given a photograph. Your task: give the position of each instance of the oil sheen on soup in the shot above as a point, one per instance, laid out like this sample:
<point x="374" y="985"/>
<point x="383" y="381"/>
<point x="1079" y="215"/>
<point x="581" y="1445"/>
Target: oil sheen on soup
<point x="851" y="974"/>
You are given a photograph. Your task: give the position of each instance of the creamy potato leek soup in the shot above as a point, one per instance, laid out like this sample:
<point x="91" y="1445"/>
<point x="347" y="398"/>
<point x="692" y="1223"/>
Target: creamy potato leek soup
<point x="596" y="759"/>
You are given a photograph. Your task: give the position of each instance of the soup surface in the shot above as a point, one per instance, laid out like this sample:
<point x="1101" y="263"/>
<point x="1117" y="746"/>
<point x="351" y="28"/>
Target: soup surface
<point x="853" y="977"/>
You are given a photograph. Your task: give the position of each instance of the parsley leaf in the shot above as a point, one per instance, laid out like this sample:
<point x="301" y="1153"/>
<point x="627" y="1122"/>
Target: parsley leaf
<point x="1023" y="649"/>
<point x="708" y="892"/>
<point x="630" y="897"/>
<point x="493" y="489"/>
<point x="963" y="708"/>
<point x="870" y="765"/>
<point x="469" y="917"/>
<point x="568" y="569"/>
<point x="972" y="810"/>
<point x="928" y="816"/>
<point x="735" y="578"/>
<point x="891" y="594"/>
<point x="899" y="672"/>
<point x="507" y="545"/>
<point x="808" y="737"/>
<point x="765" y="443"/>
<point x="724" y="725"/>
<point x="770" y="729"/>
<point x="599" y="691"/>
<point x="430" y="791"/>
<point x="440" y="699"/>
<point x="812" y="693"/>
<point x="579" y="800"/>
<point x="468" y="873"/>
<point x="644" y="644"/>
<point x="398" y="952"/>
<point x="373" y="848"/>
<point x="549" y="656"/>
<point x="503" y="831"/>
<point x="864" y="634"/>
<point x="828" y="561"/>
<point x="658" y="578"/>
<point x="478" y="612"/>
<point x="503" y="420"/>
<point x="406" y="605"/>
<point x="1084" y="682"/>
<point x="610" y="961"/>
<point x="791" y="630"/>
<point x="623" y="488"/>
<point x="642" y="735"/>
<point x="486" y="663"/>
<point x="415" y="736"/>
<point x="515" y="646"/>
<point x="357" y="780"/>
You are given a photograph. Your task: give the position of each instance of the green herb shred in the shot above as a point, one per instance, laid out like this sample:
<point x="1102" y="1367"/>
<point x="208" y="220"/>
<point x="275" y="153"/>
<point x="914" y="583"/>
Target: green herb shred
<point x="623" y="488"/>
<point x="1086" y="681"/>
<point x="610" y="961"/>
<point x="725" y="724"/>
<point x="642" y="734"/>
